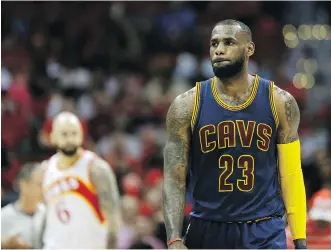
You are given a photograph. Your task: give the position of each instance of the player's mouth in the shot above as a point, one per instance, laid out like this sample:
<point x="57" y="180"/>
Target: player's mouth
<point x="220" y="61"/>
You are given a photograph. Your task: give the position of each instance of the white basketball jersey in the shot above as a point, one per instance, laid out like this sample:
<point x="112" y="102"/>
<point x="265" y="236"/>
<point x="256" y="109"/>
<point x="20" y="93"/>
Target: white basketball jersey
<point x="74" y="218"/>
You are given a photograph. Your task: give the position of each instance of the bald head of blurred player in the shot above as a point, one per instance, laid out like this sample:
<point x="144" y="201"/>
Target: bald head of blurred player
<point x="67" y="134"/>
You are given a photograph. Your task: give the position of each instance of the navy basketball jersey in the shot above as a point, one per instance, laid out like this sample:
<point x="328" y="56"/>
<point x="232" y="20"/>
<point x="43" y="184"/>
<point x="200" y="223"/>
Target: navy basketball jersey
<point x="233" y="156"/>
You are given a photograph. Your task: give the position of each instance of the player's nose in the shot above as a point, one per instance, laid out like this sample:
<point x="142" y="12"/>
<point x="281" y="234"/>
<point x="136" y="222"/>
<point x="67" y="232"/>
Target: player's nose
<point x="220" y="50"/>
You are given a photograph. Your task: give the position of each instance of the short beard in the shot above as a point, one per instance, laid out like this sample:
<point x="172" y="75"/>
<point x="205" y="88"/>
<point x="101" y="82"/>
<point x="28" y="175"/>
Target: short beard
<point x="230" y="70"/>
<point x="68" y="152"/>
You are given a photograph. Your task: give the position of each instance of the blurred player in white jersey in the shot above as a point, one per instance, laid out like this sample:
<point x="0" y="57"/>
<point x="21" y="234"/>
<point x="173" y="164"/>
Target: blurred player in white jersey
<point x="80" y="192"/>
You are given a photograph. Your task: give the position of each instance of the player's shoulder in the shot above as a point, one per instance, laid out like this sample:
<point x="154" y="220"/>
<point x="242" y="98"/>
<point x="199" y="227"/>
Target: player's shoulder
<point x="180" y="112"/>
<point x="99" y="166"/>
<point x="100" y="162"/>
<point x="190" y="95"/>
<point x="286" y="106"/>
<point x="187" y="96"/>
<point x="94" y="158"/>
<point x="282" y="96"/>
<point x="182" y="106"/>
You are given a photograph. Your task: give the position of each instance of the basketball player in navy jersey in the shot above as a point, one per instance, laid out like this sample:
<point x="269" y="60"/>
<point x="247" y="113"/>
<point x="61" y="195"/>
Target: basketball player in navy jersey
<point x="236" y="135"/>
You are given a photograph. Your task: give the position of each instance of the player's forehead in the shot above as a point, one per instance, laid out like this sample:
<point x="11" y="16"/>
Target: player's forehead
<point x="227" y="31"/>
<point x="67" y="127"/>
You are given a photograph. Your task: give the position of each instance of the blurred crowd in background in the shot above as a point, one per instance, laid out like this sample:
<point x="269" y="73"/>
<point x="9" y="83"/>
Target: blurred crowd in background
<point x="118" y="66"/>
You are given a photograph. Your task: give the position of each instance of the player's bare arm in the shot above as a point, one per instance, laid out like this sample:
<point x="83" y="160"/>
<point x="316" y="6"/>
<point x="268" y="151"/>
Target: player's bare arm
<point x="176" y="164"/>
<point x="103" y="178"/>
<point x="289" y="117"/>
<point x="292" y="183"/>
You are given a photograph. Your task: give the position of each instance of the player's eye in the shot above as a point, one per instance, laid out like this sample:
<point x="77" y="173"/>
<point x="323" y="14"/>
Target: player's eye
<point x="214" y="44"/>
<point x="229" y="43"/>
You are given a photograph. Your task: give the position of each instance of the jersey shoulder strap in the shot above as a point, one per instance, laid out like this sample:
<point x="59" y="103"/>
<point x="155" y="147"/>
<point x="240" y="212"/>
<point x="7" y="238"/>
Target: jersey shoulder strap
<point x="201" y="91"/>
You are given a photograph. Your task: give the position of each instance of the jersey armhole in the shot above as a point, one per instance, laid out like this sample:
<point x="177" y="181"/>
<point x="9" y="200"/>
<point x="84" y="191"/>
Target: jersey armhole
<point x="273" y="103"/>
<point x="196" y="106"/>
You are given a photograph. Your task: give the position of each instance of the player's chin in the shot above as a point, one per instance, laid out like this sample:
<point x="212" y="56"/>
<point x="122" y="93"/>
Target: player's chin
<point x="223" y="70"/>
<point x="70" y="148"/>
<point x="69" y="151"/>
<point x="223" y="66"/>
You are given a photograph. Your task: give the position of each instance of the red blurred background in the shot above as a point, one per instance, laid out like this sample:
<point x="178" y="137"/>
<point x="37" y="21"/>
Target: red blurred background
<point x="118" y="66"/>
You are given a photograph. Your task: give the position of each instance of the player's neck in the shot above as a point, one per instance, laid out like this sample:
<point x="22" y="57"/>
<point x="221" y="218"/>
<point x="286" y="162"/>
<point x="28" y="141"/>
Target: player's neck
<point x="235" y="85"/>
<point x="67" y="161"/>
<point x="25" y="205"/>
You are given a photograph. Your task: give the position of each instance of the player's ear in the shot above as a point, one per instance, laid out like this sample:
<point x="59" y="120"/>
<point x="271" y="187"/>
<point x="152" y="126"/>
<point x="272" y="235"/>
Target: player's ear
<point x="250" y="49"/>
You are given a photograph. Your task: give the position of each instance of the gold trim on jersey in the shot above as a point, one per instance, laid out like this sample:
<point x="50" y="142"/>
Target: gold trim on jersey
<point x="241" y="106"/>
<point x="96" y="210"/>
<point x="196" y="106"/>
<point x="273" y="103"/>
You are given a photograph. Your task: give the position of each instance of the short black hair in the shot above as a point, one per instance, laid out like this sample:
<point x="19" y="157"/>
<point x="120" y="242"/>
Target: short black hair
<point x="243" y="26"/>
<point x="26" y="171"/>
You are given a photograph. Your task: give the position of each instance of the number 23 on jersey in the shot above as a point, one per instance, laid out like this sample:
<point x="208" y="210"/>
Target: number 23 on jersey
<point x="244" y="162"/>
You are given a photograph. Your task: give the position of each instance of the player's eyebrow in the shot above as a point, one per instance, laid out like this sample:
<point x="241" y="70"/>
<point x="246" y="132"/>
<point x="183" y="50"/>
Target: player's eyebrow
<point x="217" y="38"/>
